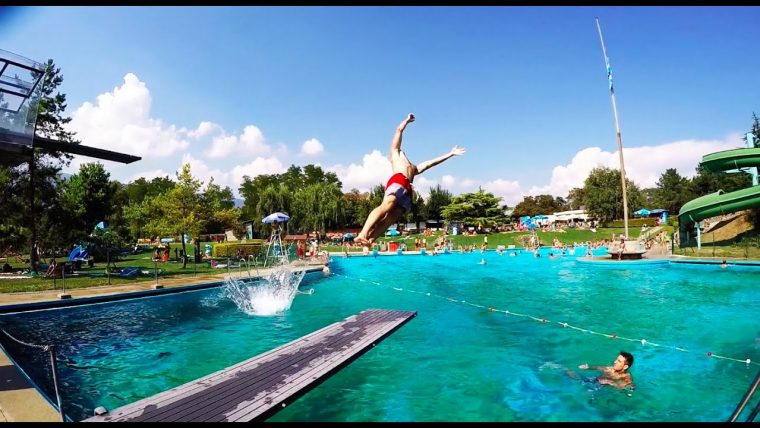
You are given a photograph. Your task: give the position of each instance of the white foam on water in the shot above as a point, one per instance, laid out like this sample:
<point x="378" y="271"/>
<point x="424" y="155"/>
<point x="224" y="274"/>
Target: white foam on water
<point x="271" y="295"/>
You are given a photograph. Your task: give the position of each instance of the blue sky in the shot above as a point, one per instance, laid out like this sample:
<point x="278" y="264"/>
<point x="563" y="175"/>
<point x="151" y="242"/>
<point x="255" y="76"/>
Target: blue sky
<point x="250" y="90"/>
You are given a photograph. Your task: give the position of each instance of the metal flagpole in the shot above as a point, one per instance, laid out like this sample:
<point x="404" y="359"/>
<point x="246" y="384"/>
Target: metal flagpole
<point x="617" y="129"/>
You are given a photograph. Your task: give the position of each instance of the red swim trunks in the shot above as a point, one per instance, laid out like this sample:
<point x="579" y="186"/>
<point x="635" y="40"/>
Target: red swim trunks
<point x="400" y="187"/>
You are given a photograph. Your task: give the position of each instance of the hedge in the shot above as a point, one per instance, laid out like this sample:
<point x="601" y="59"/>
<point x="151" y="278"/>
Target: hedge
<point x="251" y="247"/>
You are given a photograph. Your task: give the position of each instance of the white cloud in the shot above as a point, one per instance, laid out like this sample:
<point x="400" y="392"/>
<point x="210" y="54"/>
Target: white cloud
<point x="250" y="143"/>
<point x="234" y="177"/>
<point x="375" y="169"/>
<point x="510" y="191"/>
<point x="643" y="165"/>
<point x="120" y="121"/>
<point x="312" y="147"/>
<point x="258" y="166"/>
<point x="422" y="185"/>
<point x="205" y="128"/>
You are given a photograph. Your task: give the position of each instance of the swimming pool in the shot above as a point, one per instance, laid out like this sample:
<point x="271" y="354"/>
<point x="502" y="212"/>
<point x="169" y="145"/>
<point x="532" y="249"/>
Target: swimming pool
<point x="461" y="359"/>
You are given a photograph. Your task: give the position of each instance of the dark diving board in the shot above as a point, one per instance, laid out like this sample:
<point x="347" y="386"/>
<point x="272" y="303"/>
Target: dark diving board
<point x="257" y="388"/>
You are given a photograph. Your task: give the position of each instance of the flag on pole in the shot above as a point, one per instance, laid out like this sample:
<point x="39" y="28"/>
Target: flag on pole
<point x="609" y="75"/>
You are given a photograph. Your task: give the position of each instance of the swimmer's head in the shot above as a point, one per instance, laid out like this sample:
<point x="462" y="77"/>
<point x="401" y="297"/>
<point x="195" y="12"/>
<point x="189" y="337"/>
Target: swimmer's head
<point x="623" y="362"/>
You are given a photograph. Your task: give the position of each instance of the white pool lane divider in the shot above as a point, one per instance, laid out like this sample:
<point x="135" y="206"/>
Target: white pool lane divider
<point x="544" y="320"/>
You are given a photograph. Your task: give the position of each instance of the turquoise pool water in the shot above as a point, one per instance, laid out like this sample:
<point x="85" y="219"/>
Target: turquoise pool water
<point x="454" y="361"/>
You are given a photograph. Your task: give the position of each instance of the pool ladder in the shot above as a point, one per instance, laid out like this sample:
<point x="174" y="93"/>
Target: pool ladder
<point x="747" y="395"/>
<point x="240" y="267"/>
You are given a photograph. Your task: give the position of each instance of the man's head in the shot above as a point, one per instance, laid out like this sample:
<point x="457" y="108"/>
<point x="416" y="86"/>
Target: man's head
<point x="623" y="362"/>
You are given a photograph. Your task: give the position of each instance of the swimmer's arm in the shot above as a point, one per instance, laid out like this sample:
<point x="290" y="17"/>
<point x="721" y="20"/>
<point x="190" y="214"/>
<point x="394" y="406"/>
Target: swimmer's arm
<point x="456" y="151"/>
<point x="587" y="367"/>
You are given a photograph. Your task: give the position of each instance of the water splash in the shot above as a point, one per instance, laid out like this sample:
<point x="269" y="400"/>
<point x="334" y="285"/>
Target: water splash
<point x="271" y="295"/>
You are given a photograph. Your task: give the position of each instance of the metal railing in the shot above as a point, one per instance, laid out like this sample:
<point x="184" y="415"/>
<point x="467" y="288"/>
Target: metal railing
<point x="743" y="403"/>
<point x="50" y="349"/>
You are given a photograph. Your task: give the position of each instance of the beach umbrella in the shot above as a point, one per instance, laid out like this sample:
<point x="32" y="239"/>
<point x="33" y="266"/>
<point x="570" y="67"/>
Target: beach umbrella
<point x="392" y="232"/>
<point x="275" y="217"/>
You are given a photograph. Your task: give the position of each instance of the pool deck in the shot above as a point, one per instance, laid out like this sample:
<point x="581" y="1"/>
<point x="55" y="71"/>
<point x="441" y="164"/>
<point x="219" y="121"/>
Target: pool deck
<point x="19" y="400"/>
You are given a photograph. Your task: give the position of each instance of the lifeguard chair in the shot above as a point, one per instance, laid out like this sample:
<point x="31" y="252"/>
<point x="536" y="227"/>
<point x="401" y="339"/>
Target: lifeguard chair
<point x="275" y="249"/>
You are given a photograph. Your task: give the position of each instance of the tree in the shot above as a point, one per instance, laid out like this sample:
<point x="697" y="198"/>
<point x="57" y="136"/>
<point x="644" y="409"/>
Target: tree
<point x="418" y="212"/>
<point x="437" y="199"/>
<point x="603" y="194"/>
<point x="575" y="198"/>
<point x="706" y="182"/>
<point x="649" y="197"/>
<point x="33" y="202"/>
<point x="356" y="208"/>
<point x="86" y="199"/>
<point x="265" y="194"/>
<point x="317" y="206"/>
<point x="475" y="208"/>
<point x="274" y="198"/>
<point x="755" y="131"/>
<point x="541" y="204"/>
<point x="182" y="209"/>
<point x="141" y="188"/>
<point x="251" y="190"/>
<point x="220" y="209"/>
<point x="670" y="192"/>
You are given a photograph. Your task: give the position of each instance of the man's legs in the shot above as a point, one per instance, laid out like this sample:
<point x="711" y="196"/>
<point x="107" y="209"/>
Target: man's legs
<point x="382" y="225"/>
<point x="378" y="214"/>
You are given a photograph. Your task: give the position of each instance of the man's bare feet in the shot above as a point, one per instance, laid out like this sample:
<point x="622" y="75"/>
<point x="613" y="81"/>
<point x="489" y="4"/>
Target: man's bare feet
<point x="361" y="241"/>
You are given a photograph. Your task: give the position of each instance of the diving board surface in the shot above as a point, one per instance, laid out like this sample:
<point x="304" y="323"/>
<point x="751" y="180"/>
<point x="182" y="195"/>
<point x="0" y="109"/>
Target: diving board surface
<point x="259" y="387"/>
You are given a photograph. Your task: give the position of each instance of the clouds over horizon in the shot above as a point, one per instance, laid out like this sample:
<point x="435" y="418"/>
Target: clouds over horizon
<point x="120" y="120"/>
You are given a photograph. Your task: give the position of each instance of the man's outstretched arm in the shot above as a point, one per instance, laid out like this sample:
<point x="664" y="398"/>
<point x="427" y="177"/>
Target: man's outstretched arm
<point x="396" y="143"/>
<point x="588" y="367"/>
<point x="423" y="166"/>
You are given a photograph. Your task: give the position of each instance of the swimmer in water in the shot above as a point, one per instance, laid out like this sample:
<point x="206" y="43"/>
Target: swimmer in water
<point x="616" y="375"/>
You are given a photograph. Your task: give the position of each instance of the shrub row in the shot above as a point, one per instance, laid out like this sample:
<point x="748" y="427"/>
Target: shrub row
<point x="251" y="248"/>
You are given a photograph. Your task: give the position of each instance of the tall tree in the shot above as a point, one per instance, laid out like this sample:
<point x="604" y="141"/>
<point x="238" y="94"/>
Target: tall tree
<point x="419" y="210"/>
<point x="540" y="204"/>
<point x="141" y="188"/>
<point x="356" y="208"/>
<point x="33" y="184"/>
<point x="221" y="213"/>
<point x="475" y="208"/>
<point x="603" y="194"/>
<point x="318" y="206"/>
<point x="575" y="198"/>
<point x="437" y="200"/>
<point x="86" y="199"/>
<point x="670" y="192"/>
<point x="183" y="209"/>
<point x="710" y="182"/>
<point x="251" y="190"/>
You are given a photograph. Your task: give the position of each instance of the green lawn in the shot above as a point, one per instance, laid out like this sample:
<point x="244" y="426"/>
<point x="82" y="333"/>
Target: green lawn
<point x="512" y="238"/>
<point x="96" y="275"/>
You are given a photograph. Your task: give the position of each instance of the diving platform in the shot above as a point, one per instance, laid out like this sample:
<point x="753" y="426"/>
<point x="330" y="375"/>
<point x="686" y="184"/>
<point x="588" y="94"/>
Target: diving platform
<point x="257" y="388"/>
